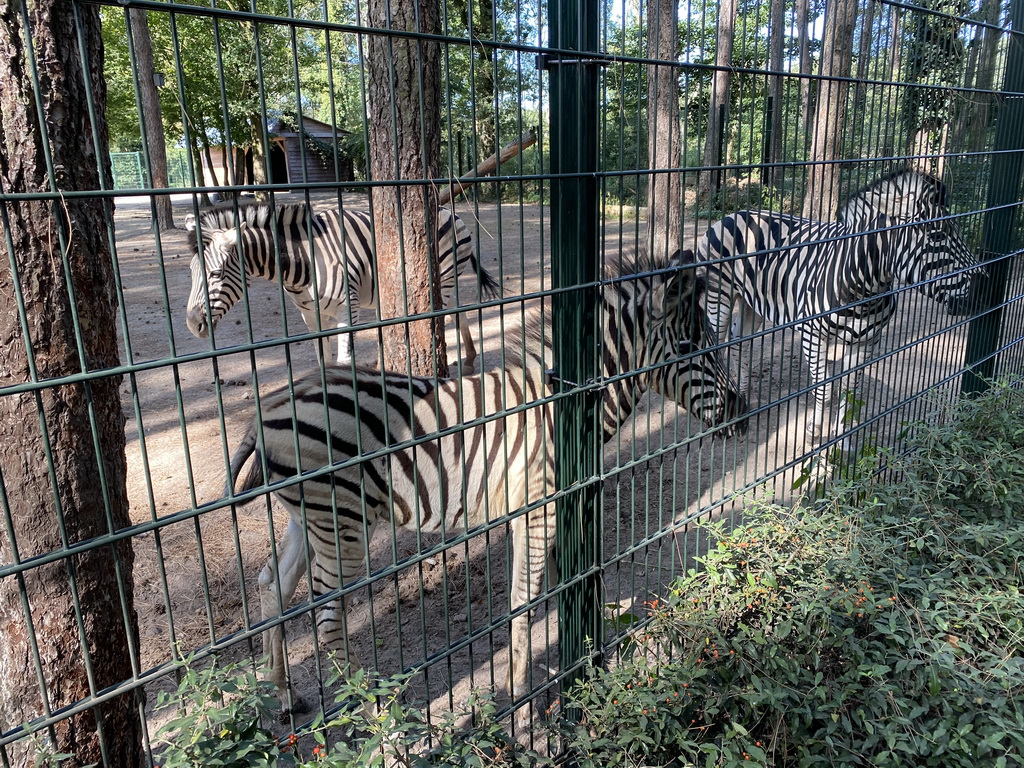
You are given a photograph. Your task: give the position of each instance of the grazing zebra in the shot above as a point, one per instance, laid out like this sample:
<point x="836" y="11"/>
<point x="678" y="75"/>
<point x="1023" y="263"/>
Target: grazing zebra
<point x="334" y="285"/>
<point x="765" y="267"/>
<point x="484" y="465"/>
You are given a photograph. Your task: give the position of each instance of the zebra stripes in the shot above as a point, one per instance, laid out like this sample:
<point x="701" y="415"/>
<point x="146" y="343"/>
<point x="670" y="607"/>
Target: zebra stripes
<point x="364" y="444"/>
<point x="771" y="268"/>
<point x="325" y="262"/>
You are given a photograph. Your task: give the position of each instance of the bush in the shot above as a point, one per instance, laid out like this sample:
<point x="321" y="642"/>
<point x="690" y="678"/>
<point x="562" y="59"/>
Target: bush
<point x="224" y="717"/>
<point x="889" y="633"/>
<point x="882" y="627"/>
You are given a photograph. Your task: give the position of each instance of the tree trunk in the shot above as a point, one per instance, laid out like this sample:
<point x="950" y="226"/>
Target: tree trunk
<point x="664" y="187"/>
<point x="821" y="199"/>
<point x="804" y="48"/>
<point x="895" y="54"/>
<point x="79" y="608"/>
<point x="985" y="73"/>
<point x="156" y="146"/>
<point x="196" y="148"/>
<point x="776" y="44"/>
<point x="718" y="112"/>
<point x="864" y="56"/>
<point x="259" y="159"/>
<point x="404" y="96"/>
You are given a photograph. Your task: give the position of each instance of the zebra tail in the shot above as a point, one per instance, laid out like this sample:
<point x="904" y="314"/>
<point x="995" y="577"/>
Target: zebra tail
<point x="255" y="476"/>
<point x="488" y="285"/>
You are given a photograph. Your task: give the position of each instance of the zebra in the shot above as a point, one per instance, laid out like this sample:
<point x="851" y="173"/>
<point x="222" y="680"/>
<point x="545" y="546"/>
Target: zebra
<point x="343" y="449"/>
<point x="330" y="288"/>
<point x="771" y="268"/>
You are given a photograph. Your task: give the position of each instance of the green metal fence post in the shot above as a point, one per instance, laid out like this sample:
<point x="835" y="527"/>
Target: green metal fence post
<point x="575" y="255"/>
<point x="1003" y="206"/>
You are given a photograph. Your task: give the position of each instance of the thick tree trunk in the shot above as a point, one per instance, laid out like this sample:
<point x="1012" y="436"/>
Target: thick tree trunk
<point x="985" y="73"/>
<point x="259" y="160"/>
<point x="61" y="447"/>
<point x="864" y="55"/>
<point x="776" y="45"/>
<point x="403" y="98"/>
<point x="821" y="199"/>
<point x="718" y="112"/>
<point x="804" y="53"/>
<point x="665" y="184"/>
<point x="156" y="147"/>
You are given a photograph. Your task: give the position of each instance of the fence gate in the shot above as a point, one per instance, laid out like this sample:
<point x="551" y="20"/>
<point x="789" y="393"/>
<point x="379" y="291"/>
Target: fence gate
<point x="264" y="430"/>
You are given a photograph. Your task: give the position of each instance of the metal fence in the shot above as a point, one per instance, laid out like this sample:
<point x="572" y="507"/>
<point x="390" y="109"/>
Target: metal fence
<point x="129" y="170"/>
<point x="654" y="122"/>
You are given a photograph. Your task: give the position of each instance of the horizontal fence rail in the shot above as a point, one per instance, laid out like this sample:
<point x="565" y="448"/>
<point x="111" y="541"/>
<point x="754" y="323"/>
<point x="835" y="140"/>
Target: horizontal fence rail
<point x="268" y="407"/>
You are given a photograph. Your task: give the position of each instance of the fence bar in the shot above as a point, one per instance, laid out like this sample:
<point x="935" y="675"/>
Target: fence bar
<point x="574" y="251"/>
<point x="1003" y="204"/>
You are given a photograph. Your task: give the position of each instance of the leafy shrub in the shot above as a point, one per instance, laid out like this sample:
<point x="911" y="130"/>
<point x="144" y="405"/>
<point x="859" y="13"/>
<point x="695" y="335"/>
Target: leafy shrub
<point x="882" y="627"/>
<point x="885" y="633"/>
<point x="225" y="715"/>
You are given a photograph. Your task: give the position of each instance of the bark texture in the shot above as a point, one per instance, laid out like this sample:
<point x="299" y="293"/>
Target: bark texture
<point x="665" y="187"/>
<point x="718" y="112"/>
<point x="150" y="97"/>
<point x="821" y="200"/>
<point x="404" y="96"/>
<point x="75" y="607"/>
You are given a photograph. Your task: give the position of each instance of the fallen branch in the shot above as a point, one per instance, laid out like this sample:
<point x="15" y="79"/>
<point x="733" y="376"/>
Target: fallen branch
<point x="487" y="167"/>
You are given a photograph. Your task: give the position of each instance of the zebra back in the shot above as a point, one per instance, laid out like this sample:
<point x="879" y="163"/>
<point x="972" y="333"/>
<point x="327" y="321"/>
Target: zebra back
<point x="905" y="195"/>
<point x="325" y="261"/>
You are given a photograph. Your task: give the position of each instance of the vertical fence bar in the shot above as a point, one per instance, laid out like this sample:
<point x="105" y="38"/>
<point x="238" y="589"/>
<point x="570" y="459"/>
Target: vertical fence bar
<point x="1003" y="205"/>
<point x="574" y="254"/>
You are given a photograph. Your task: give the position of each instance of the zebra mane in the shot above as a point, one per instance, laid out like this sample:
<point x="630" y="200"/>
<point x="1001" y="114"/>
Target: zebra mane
<point x="924" y="195"/>
<point x="531" y="339"/>
<point x="258" y="215"/>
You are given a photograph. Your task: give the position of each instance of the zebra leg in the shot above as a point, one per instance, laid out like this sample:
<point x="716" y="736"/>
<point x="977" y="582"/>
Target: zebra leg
<point x="855" y="356"/>
<point x="744" y="324"/>
<point x="331" y="620"/>
<point x="466" y="364"/>
<point x="344" y="345"/>
<point x="277" y="587"/>
<point x="532" y="553"/>
<point x="816" y="364"/>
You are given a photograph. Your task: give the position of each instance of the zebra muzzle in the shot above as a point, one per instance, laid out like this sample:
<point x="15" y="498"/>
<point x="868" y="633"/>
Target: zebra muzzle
<point x="959" y="305"/>
<point x="196" y="322"/>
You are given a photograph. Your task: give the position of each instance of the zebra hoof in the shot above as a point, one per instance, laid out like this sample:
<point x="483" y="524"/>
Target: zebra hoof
<point x="299" y="707"/>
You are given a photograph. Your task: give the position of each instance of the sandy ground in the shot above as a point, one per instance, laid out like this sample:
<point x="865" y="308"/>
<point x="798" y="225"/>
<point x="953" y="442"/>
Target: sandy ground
<point x="196" y="577"/>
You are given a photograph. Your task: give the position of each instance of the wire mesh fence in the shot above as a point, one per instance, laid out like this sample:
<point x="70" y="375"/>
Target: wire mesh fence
<point x="727" y="250"/>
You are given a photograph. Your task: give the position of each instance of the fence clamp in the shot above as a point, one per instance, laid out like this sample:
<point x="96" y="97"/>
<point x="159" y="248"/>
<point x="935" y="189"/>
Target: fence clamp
<point x="548" y="60"/>
<point x="551" y="379"/>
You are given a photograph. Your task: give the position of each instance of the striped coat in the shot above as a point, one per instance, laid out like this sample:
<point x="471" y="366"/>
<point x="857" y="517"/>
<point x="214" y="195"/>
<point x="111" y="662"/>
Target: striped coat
<point x="835" y="279"/>
<point x="347" y="451"/>
<point x="325" y="262"/>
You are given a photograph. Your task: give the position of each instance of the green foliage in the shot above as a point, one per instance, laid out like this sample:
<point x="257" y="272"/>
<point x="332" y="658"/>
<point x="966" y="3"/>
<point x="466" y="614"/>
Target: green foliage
<point x="883" y="627"/>
<point x="221" y="711"/>
<point x="225" y="712"/>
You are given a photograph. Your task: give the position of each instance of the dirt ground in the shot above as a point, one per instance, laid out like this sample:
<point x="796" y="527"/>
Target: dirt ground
<point x="196" y="576"/>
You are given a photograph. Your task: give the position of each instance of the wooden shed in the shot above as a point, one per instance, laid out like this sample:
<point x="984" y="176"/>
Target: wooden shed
<point x="286" y="154"/>
<point x="288" y="157"/>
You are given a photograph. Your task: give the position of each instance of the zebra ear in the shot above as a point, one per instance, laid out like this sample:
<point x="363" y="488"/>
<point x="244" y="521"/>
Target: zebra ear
<point x="679" y="288"/>
<point x="190" y="222"/>
<point x="231" y="234"/>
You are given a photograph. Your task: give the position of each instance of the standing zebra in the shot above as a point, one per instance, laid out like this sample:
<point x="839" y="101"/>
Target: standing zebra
<point x="765" y="267"/>
<point x="349" y="441"/>
<point x="332" y="286"/>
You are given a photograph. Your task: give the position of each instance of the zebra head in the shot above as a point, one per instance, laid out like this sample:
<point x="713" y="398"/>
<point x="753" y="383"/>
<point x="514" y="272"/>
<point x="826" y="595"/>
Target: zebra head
<point x="216" y="271"/>
<point x="930" y="250"/>
<point x="678" y="367"/>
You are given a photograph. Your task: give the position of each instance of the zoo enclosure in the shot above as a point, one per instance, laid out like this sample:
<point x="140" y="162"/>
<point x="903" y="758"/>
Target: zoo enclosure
<point x="935" y="86"/>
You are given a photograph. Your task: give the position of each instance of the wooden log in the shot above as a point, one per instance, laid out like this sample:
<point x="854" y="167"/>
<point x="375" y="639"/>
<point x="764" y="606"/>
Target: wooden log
<point x="487" y="167"/>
